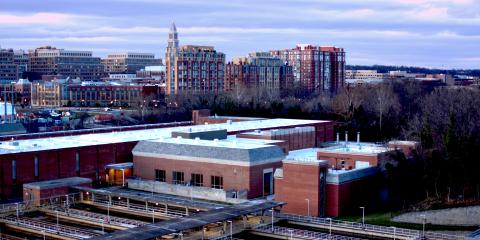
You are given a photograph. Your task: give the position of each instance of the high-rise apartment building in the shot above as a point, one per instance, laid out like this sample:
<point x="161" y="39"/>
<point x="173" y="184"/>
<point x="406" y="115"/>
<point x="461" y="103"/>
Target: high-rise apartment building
<point x="8" y="69"/>
<point x="192" y="69"/>
<point x="319" y="69"/>
<point x="66" y="63"/>
<point x="129" y="62"/>
<point x="20" y="58"/>
<point x="259" y="70"/>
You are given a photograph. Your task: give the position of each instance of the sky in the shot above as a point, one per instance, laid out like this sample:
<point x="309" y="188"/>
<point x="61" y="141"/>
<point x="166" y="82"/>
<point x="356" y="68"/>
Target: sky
<point x="425" y="33"/>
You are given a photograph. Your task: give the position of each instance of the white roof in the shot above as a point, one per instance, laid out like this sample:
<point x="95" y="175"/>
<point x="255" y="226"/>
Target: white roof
<point x="356" y="148"/>
<point x="31" y="145"/>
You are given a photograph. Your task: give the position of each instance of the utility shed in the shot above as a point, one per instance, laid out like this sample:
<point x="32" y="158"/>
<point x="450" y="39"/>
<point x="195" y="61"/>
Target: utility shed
<point x="35" y="192"/>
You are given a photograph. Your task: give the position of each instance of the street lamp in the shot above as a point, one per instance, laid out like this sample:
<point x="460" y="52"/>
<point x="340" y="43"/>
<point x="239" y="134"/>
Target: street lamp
<point x="56" y="211"/>
<point x="329" y="228"/>
<point x="308" y="206"/>
<point x="272" y="219"/>
<point x="424" y="220"/>
<point x="231" y="229"/>
<point x="363" y="215"/>
<point x="394" y="232"/>
<point x="291" y="233"/>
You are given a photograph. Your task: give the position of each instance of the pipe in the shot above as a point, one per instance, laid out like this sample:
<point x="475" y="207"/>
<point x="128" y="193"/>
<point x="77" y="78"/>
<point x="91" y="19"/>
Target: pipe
<point x="5" y="102"/>
<point x="346" y="138"/>
<point x="13" y="103"/>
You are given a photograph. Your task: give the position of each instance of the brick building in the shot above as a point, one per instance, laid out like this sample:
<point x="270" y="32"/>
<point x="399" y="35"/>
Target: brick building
<point x="343" y="170"/>
<point x="39" y="157"/>
<point x="192" y="69"/>
<point x="319" y="69"/>
<point x="259" y="71"/>
<point x="129" y="62"/>
<point x="112" y="94"/>
<point x="8" y="68"/>
<point x="51" y="61"/>
<point x="241" y="168"/>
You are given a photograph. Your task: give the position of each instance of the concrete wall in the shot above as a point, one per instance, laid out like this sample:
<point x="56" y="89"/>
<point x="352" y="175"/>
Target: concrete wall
<point x="235" y="178"/>
<point x="178" y="190"/>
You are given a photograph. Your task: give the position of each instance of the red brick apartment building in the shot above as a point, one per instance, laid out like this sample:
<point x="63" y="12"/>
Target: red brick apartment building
<point x="317" y="68"/>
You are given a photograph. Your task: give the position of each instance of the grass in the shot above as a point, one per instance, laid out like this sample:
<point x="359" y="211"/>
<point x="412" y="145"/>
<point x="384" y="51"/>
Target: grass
<point x="384" y="219"/>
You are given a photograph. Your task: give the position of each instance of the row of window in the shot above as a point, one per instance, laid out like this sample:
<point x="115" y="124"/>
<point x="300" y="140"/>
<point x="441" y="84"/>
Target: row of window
<point x="195" y="180"/>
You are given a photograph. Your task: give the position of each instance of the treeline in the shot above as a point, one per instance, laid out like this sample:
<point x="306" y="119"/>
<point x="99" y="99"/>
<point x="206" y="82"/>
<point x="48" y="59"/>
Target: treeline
<point x="446" y="120"/>
<point x="386" y="69"/>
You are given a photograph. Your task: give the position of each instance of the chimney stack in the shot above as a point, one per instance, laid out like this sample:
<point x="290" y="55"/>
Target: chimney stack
<point x="358" y="137"/>
<point x="346" y="138"/>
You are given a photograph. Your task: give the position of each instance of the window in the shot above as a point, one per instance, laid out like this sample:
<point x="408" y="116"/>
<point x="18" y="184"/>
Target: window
<point x="160" y="175"/>
<point x="197" y="180"/>
<point x="217" y="182"/>
<point x="178" y="178"/>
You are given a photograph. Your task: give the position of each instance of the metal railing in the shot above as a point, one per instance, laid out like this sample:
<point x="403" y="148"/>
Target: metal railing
<point x="46" y="227"/>
<point x="97" y="218"/>
<point x="157" y="210"/>
<point x="409" y="233"/>
<point x="299" y="233"/>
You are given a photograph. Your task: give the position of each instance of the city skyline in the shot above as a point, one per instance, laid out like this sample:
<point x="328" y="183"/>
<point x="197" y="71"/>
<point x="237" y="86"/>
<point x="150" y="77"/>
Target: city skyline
<point x="426" y="33"/>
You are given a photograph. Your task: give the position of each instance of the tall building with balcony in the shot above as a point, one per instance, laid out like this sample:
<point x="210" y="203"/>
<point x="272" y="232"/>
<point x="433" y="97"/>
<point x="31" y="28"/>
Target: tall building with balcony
<point x="129" y="62"/>
<point x="8" y="69"/>
<point x="320" y="69"/>
<point x="260" y="70"/>
<point x="192" y="69"/>
<point x="66" y="63"/>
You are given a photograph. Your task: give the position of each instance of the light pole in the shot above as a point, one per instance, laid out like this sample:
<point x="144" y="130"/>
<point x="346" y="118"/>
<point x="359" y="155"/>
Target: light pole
<point x="394" y="233"/>
<point x="308" y="206"/>
<point x="153" y="215"/>
<point x="56" y="211"/>
<point x="272" y="219"/>
<point x="108" y="209"/>
<point x="330" y="228"/>
<point x="424" y="220"/>
<point x="231" y="229"/>
<point x="363" y="215"/>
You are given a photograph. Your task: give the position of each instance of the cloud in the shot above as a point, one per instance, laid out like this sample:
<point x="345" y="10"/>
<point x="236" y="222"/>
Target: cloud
<point x="404" y="32"/>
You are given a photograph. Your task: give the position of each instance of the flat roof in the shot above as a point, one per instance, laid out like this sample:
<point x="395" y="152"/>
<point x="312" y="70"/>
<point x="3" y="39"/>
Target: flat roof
<point x="61" y="182"/>
<point x="229" y="152"/>
<point x="51" y="143"/>
<point x="306" y="156"/>
<point x="354" y="148"/>
<point x="343" y="176"/>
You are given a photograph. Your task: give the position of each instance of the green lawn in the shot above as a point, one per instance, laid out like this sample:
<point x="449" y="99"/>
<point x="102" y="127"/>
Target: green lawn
<point x="384" y="219"/>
